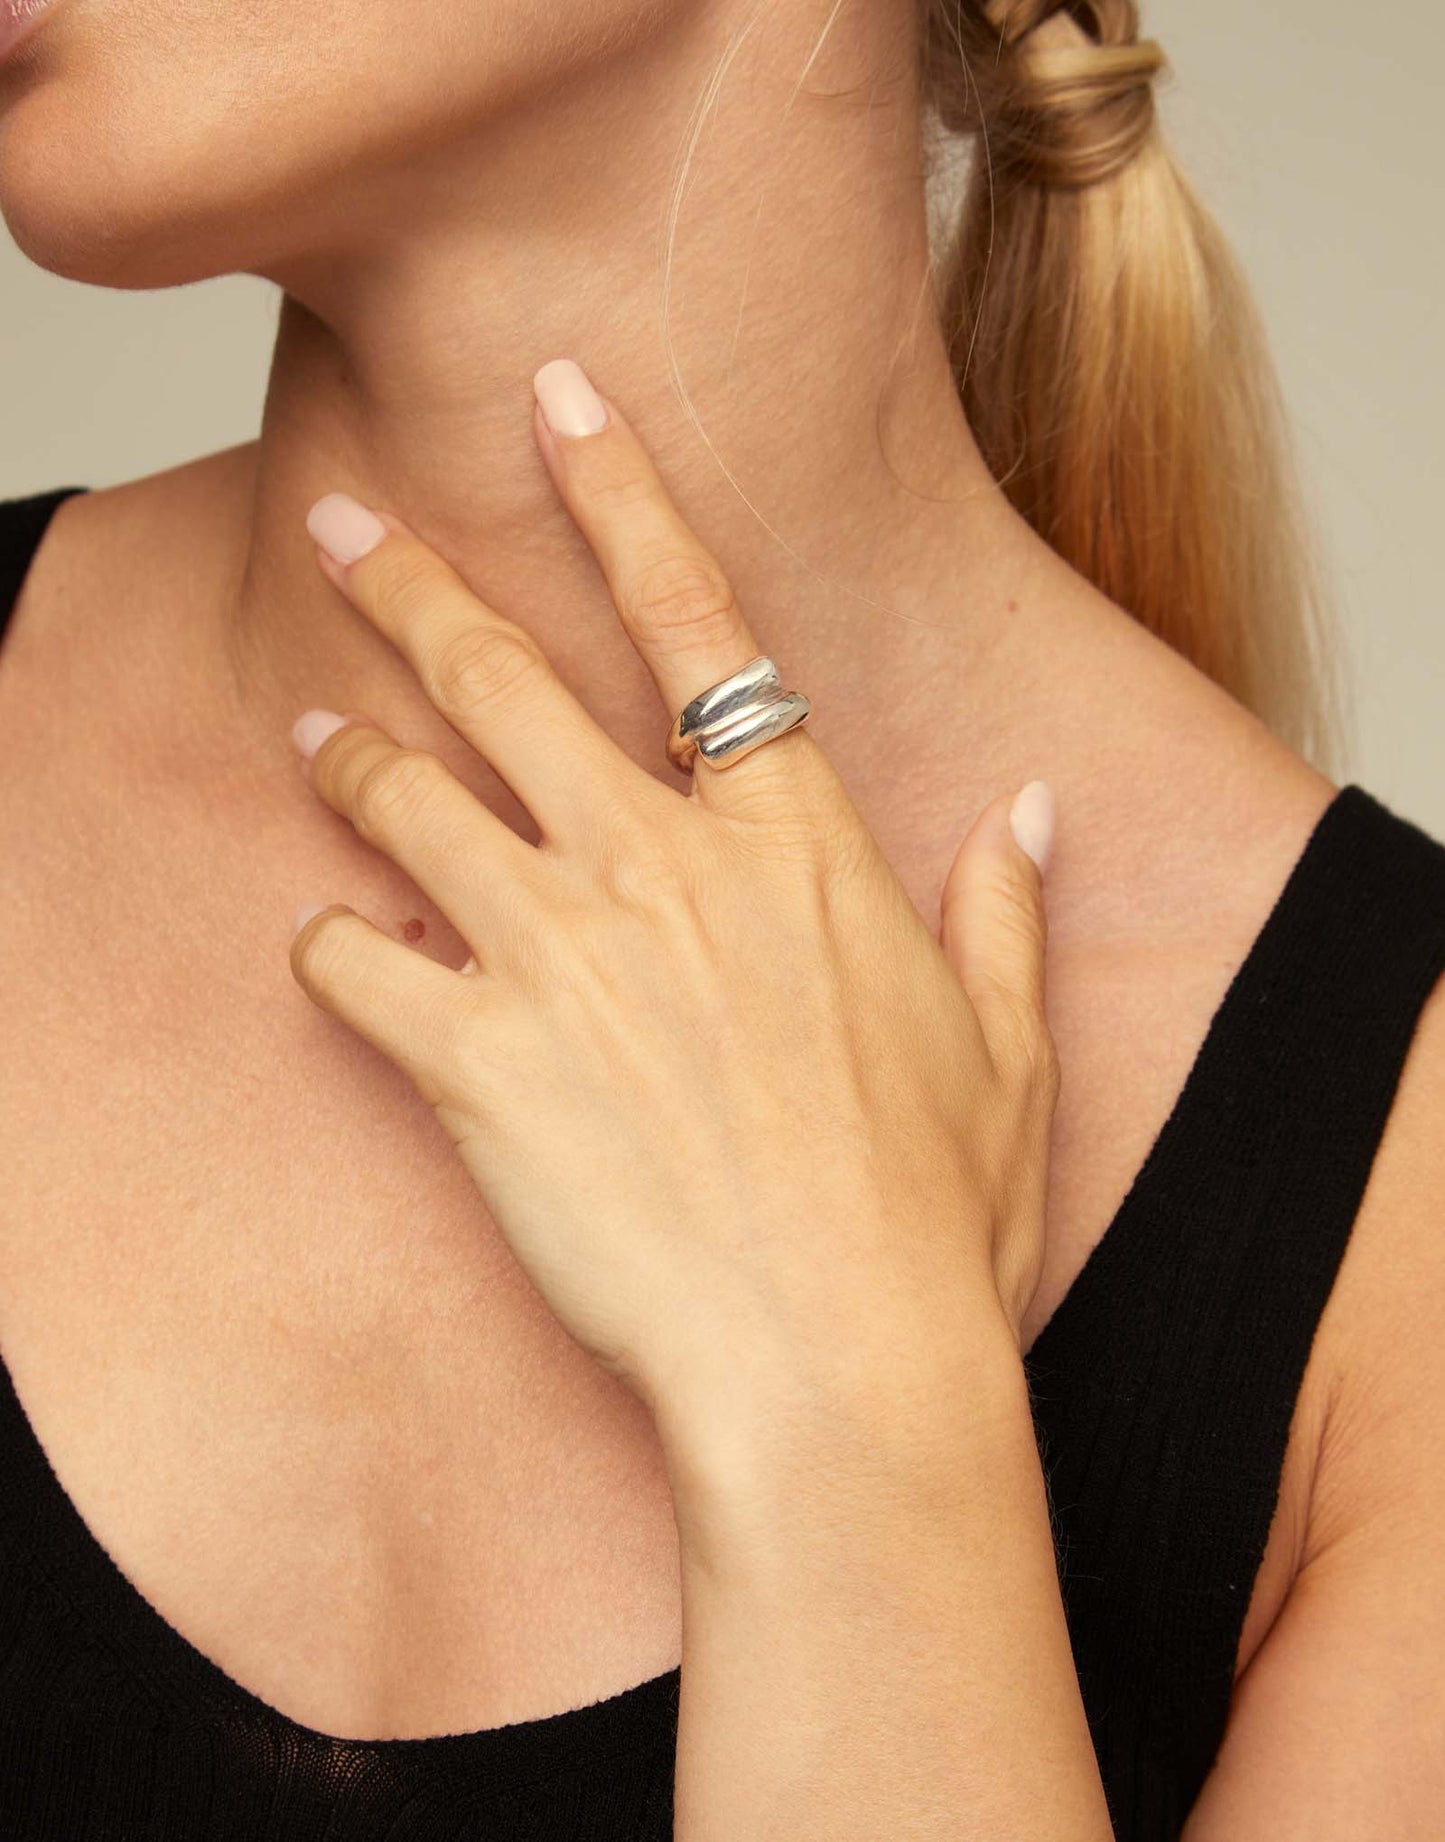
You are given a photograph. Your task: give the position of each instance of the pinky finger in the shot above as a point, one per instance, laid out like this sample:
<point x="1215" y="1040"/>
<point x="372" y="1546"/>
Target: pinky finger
<point x="399" y="1000"/>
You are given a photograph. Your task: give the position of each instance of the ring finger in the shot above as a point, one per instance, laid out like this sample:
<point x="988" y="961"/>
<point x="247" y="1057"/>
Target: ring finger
<point x="408" y="803"/>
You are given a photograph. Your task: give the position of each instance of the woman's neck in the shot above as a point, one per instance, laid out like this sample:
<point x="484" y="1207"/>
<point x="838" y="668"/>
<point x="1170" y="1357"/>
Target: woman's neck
<point x="881" y="564"/>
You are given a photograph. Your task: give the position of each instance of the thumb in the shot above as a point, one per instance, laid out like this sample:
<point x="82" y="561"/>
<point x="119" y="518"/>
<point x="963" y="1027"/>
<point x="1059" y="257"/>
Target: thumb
<point x="993" y="924"/>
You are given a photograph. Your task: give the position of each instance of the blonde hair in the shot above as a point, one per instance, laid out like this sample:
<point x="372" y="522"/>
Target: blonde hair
<point x="1111" y="364"/>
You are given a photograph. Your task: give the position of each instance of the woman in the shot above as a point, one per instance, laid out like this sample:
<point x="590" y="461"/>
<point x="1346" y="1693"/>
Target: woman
<point x="673" y="1460"/>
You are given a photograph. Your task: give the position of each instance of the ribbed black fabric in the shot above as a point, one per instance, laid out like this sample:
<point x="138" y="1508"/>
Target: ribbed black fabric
<point x="1162" y="1388"/>
<point x="1164" y="1384"/>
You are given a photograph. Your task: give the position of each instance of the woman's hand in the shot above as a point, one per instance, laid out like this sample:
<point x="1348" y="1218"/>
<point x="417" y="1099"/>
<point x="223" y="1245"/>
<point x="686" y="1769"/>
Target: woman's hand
<point x="744" y="1122"/>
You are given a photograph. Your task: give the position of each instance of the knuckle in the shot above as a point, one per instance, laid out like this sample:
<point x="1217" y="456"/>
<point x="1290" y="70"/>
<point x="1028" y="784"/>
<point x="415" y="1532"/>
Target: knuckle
<point x="481" y="664"/>
<point x="685" y="599"/>
<point x="473" y="1053"/>
<point x="404" y="582"/>
<point x="1035" y="924"/>
<point x="790" y="802"/>
<point x="1028" y="1050"/>
<point x="644" y="871"/>
<point x="621" y="491"/>
<point x="390" y="792"/>
<point x="765" y="806"/>
<point x="493" y="1057"/>
<point x="791" y="781"/>
<point x="318" y="953"/>
<point x="1045" y="1068"/>
<point x="1020" y="924"/>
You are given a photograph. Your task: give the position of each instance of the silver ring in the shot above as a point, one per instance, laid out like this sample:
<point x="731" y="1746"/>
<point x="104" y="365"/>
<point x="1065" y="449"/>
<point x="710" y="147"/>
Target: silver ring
<point x="733" y="717"/>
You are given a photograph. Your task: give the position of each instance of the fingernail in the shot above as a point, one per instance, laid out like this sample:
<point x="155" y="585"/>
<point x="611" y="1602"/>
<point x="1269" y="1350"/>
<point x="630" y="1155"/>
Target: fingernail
<point x="311" y="729"/>
<point x="343" y="527"/>
<point x="304" y="914"/>
<point x="1031" y="819"/>
<point x="569" y="403"/>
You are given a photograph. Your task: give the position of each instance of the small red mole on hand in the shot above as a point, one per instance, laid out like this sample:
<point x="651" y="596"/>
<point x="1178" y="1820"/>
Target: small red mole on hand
<point x="413" y="930"/>
<point x="1013" y="607"/>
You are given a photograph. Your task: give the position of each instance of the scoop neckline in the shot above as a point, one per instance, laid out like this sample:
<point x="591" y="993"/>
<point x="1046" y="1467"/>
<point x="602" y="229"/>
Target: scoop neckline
<point x="526" y="1751"/>
<point x="193" y="1688"/>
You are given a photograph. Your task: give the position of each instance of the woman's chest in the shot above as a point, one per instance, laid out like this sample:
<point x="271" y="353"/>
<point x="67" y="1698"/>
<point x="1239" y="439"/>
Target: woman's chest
<point x="282" y="1361"/>
<point x="287" y="1369"/>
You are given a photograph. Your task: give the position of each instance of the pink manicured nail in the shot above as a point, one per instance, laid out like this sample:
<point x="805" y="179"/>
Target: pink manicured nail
<point x="1031" y="818"/>
<point x="311" y="729"/>
<point x="343" y="527"/>
<point x="569" y="403"/>
<point x="304" y="914"/>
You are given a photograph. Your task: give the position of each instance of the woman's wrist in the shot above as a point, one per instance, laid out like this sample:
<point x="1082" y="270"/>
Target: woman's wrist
<point x="872" y="1617"/>
<point x="898" y="1421"/>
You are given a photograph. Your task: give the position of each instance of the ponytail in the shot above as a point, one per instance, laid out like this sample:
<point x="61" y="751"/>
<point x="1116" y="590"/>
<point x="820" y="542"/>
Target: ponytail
<point x="1111" y="364"/>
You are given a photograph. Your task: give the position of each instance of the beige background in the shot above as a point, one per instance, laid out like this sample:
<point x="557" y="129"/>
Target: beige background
<point x="1315" y="133"/>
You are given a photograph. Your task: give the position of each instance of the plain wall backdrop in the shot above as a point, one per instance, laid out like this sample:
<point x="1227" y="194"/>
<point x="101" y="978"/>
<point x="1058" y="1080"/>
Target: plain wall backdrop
<point x="1316" y="135"/>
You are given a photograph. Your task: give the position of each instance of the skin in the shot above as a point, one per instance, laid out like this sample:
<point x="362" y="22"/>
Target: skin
<point x="819" y="1302"/>
<point x="273" y="1312"/>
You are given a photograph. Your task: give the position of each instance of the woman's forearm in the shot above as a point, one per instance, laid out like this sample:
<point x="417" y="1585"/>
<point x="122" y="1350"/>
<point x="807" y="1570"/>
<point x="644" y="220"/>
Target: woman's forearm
<point x="874" y="1643"/>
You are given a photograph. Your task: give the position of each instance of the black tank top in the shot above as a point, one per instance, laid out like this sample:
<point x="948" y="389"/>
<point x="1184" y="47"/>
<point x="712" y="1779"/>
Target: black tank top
<point x="1162" y="1392"/>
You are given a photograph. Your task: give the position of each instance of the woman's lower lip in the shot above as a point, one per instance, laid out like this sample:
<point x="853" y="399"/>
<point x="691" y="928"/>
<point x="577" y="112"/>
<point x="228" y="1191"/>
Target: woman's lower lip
<point x="18" y="19"/>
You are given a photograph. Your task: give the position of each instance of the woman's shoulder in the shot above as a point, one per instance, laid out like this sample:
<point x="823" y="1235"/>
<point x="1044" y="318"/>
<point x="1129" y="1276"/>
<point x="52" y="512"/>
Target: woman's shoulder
<point x="133" y="510"/>
<point x="147" y="493"/>
<point x="1353" y="1647"/>
<point x="24" y="521"/>
<point x="1371" y="1416"/>
<point x="1383" y="1439"/>
<point x="76" y="547"/>
<point x="1193" y="840"/>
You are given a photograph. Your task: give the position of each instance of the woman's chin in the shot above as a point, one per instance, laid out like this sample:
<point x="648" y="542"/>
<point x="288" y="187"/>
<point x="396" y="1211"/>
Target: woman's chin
<point x="84" y="218"/>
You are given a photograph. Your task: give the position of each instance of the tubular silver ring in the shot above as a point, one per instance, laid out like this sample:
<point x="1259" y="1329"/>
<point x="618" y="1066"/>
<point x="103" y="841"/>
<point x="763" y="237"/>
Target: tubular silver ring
<point x="733" y="717"/>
